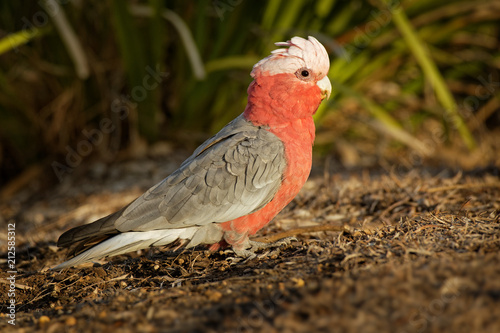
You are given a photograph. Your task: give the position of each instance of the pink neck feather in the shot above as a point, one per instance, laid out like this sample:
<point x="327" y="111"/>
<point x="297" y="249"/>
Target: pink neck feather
<point x="279" y="100"/>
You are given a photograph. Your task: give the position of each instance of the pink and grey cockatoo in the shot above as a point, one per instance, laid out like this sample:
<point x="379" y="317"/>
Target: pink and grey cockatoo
<point x="236" y="181"/>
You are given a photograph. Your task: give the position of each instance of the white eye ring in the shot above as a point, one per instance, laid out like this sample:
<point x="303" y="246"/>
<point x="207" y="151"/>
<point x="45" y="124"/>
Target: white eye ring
<point x="304" y="74"/>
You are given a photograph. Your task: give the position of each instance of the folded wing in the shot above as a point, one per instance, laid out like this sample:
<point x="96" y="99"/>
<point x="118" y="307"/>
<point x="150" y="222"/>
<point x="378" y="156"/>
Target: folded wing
<point x="234" y="173"/>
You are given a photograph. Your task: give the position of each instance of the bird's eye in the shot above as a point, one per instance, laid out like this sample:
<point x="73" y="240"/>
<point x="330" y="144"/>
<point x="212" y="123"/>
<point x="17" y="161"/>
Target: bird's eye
<point x="304" y="74"/>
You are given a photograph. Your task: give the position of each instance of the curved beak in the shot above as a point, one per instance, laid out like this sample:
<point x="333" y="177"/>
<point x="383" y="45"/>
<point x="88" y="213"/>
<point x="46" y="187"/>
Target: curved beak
<point x="325" y="86"/>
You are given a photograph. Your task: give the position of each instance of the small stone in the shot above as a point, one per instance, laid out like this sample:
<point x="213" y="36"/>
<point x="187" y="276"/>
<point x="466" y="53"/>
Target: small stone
<point x="43" y="320"/>
<point x="298" y="282"/>
<point x="70" y="321"/>
<point x="213" y="295"/>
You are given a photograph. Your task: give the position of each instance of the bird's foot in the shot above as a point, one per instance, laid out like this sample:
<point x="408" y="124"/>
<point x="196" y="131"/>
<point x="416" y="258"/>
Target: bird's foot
<point x="248" y="253"/>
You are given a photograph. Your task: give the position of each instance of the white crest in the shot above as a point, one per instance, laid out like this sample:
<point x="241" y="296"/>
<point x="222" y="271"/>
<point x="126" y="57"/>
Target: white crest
<point x="308" y="53"/>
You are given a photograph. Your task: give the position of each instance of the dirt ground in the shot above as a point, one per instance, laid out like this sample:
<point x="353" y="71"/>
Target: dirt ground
<point x="376" y="251"/>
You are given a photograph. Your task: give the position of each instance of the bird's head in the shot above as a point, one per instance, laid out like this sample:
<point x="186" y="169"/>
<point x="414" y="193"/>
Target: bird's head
<point x="306" y="59"/>
<point x="292" y="81"/>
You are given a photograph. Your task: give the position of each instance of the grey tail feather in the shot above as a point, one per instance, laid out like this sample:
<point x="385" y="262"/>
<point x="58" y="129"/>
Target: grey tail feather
<point x="103" y="226"/>
<point x="81" y="238"/>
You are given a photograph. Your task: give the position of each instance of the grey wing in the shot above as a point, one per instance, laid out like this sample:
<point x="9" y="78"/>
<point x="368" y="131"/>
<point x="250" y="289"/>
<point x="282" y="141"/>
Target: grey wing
<point x="235" y="173"/>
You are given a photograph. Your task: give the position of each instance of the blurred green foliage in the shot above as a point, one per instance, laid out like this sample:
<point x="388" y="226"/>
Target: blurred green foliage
<point x="65" y="66"/>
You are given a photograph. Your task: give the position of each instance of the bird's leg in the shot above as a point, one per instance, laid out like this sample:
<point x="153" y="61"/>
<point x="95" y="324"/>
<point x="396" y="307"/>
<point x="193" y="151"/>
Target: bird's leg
<point x="250" y="247"/>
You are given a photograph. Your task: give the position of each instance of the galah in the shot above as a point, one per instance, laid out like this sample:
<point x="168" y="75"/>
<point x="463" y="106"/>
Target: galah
<point x="235" y="182"/>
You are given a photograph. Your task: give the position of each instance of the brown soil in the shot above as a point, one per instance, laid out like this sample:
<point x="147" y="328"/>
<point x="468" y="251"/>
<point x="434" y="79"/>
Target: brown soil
<point x="376" y="252"/>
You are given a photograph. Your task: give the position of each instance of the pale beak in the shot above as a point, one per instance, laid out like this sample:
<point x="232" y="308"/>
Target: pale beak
<point x="325" y="86"/>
